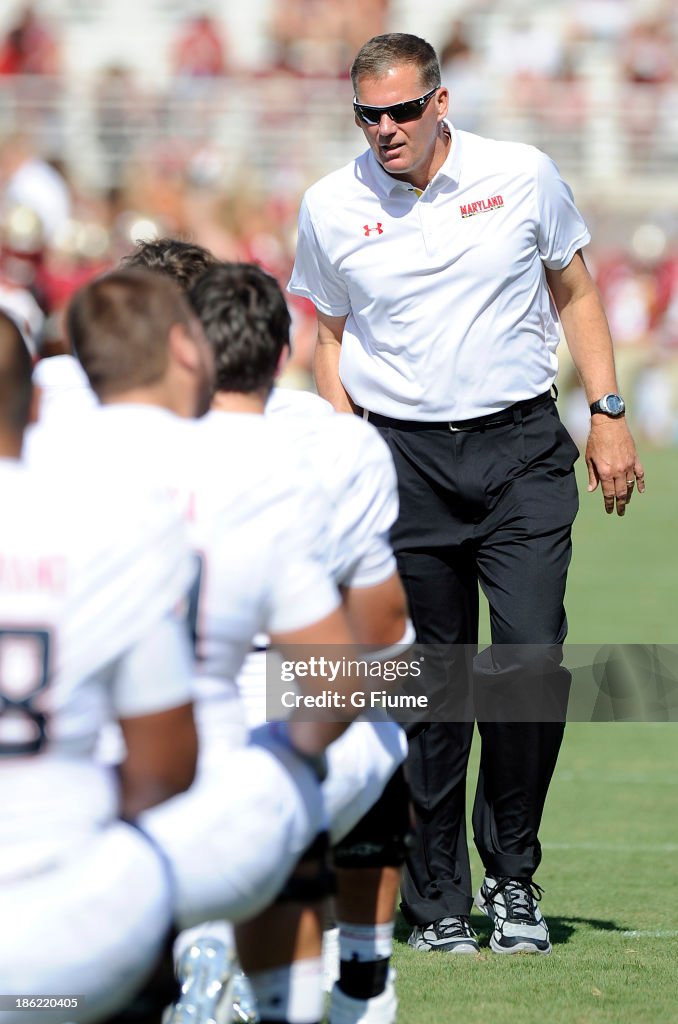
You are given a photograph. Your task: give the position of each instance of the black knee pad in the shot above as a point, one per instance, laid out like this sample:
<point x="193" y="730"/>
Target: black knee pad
<point x="363" y="980"/>
<point x="312" y="879"/>
<point x="382" y="836"/>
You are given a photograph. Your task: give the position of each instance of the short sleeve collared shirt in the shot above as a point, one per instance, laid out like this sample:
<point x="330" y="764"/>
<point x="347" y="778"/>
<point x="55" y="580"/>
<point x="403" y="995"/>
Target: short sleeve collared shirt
<point x="448" y="311"/>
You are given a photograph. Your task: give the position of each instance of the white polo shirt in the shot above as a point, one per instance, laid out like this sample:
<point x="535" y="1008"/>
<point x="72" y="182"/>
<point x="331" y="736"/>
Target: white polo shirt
<point x="449" y="315"/>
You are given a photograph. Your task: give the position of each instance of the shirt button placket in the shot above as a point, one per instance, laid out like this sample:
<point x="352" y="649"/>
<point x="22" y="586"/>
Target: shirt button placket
<point x="427" y="220"/>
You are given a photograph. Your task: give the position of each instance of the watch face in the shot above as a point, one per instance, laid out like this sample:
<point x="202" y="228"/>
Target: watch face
<point x="614" y="404"/>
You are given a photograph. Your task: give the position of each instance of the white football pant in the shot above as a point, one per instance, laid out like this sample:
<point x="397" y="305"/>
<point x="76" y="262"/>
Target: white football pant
<point x="93" y="926"/>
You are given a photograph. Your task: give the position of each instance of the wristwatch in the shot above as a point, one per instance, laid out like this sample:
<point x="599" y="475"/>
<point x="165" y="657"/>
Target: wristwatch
<point x="612" y="405"/>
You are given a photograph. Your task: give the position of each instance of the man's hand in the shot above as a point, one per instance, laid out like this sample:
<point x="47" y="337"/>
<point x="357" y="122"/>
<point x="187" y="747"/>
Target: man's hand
<point x="613" y="462"/>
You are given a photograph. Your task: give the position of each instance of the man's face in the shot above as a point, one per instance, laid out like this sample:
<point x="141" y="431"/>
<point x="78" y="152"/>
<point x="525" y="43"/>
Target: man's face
<point x="404" y="150"/>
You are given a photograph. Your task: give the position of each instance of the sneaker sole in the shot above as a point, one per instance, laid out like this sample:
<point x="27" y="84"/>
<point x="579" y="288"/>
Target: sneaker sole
<point x="520" y="947"/>
<point x="463" y="948"/>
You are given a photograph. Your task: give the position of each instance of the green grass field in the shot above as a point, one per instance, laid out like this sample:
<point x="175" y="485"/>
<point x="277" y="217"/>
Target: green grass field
<point x="610" y="833"/>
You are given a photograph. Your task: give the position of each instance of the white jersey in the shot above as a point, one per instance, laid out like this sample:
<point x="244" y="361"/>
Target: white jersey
<point x="350" y="461"/>
<point x="297" y="402"/>
<point x="65" y="390"/>
<point x="256" y="526"/>
<point x="90" y="579"/>
<point x="260" y="528"/>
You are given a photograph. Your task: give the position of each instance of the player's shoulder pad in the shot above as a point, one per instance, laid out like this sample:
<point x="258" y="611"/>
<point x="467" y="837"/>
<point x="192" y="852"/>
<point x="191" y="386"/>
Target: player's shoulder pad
<point x="289" y="401"/>
<point x="359" y="442"/>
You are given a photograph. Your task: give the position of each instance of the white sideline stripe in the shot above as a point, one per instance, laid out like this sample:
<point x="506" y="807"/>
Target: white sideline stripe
<point x="622" y="779"/>
<point x="615" y="847"/>
<point x="660" y="934"/>
<point x="649" y="848"/>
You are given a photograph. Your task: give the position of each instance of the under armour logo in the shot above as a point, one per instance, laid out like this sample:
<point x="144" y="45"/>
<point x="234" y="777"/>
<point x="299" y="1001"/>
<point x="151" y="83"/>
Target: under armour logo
<point x="379" y="229"/>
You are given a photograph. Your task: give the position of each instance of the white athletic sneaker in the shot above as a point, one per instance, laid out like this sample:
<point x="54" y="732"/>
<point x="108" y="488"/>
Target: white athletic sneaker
<point x="381" y="1009"/>
<point x="204" y="973"/>
<point x="447" y="935"/>
<point x="511" y="905"/>
<point x="244" y="1003"/>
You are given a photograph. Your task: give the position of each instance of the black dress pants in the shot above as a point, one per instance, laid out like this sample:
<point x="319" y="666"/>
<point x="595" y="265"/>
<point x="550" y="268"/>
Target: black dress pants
<point x="492" y="506"/>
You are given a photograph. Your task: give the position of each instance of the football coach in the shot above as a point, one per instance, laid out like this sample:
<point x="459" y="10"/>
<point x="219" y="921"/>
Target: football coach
<point x="440" y="264"/>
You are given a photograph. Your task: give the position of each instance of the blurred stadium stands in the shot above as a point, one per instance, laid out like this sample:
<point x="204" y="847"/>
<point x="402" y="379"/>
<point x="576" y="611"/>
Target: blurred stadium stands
<point x="592" y="83"/>
<point x="210" y="118"/>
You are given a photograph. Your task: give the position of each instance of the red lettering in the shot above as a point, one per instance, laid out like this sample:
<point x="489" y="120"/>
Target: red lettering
<point x="33" y="574"/>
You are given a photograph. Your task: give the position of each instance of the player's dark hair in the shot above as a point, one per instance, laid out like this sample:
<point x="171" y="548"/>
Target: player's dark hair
<point x="381" y="53"/>
<point x="247" y="323"/>
<point x="119" y="325"/>
<point x="183" y="262"/>
<point x="16" y="385"/>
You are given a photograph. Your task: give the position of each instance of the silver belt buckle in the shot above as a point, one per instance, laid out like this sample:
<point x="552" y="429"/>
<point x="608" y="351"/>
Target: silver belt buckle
<point x="454" y="430"/>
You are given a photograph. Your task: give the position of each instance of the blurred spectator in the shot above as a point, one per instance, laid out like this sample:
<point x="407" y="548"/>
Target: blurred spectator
<point x="319" y="37"/>
<point x="29" y="48"/>
<point x="224" y="161"/>
<point x="524" y="48"/>
<point x="119" y="109"/>
<point x="21" y="259"/>
<point x="364" y="20"/>
<point x="627" y="282"/>
<point x="28" y="180"/>
<point x="308" y="38"/>
<point x="199" y="61"/>
<point x="200" y="51"/>
<point x="563" y="110"/>
<point x="646" y="53"/>
<point x="155" y="184"/>
<point x="667" y="301"/>
<point x="526" y="55"/>
<point x="656" y="411"/>
<point x="63" y="277"/>
<point x="465" y="76"/>
<point x="11" y="56"/>
<point x="646" y="60"/>
<point x="666" y="360"/>
<point x="602" y="20"/>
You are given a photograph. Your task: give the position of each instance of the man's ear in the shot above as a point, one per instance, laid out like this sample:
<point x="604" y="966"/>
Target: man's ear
<point x="182" y="347"/>
<point x="285" y="354"/>
<point x="443" y="102"/>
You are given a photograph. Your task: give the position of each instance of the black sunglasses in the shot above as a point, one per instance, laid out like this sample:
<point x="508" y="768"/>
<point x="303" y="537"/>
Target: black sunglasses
<point x="410" y="110"/>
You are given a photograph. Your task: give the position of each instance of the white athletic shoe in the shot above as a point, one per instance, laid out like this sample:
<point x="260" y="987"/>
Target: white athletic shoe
<point x="511" y="905"/>
<point x="244" y="1003"/>
<point x="381" y="1009"/>
<point x="205" y="973"/>
<point x="446" y="935"/>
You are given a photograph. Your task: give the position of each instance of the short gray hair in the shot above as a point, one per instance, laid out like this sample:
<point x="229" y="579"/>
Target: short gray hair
<point x="381" y="53"/>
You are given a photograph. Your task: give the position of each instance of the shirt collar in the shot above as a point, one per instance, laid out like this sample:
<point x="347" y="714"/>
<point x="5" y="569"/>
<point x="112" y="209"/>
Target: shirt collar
<point x="387" y="185"/>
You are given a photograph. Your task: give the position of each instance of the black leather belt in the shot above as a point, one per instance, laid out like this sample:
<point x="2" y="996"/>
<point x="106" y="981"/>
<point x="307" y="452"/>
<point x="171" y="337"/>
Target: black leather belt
<point x="512" y="414"/>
